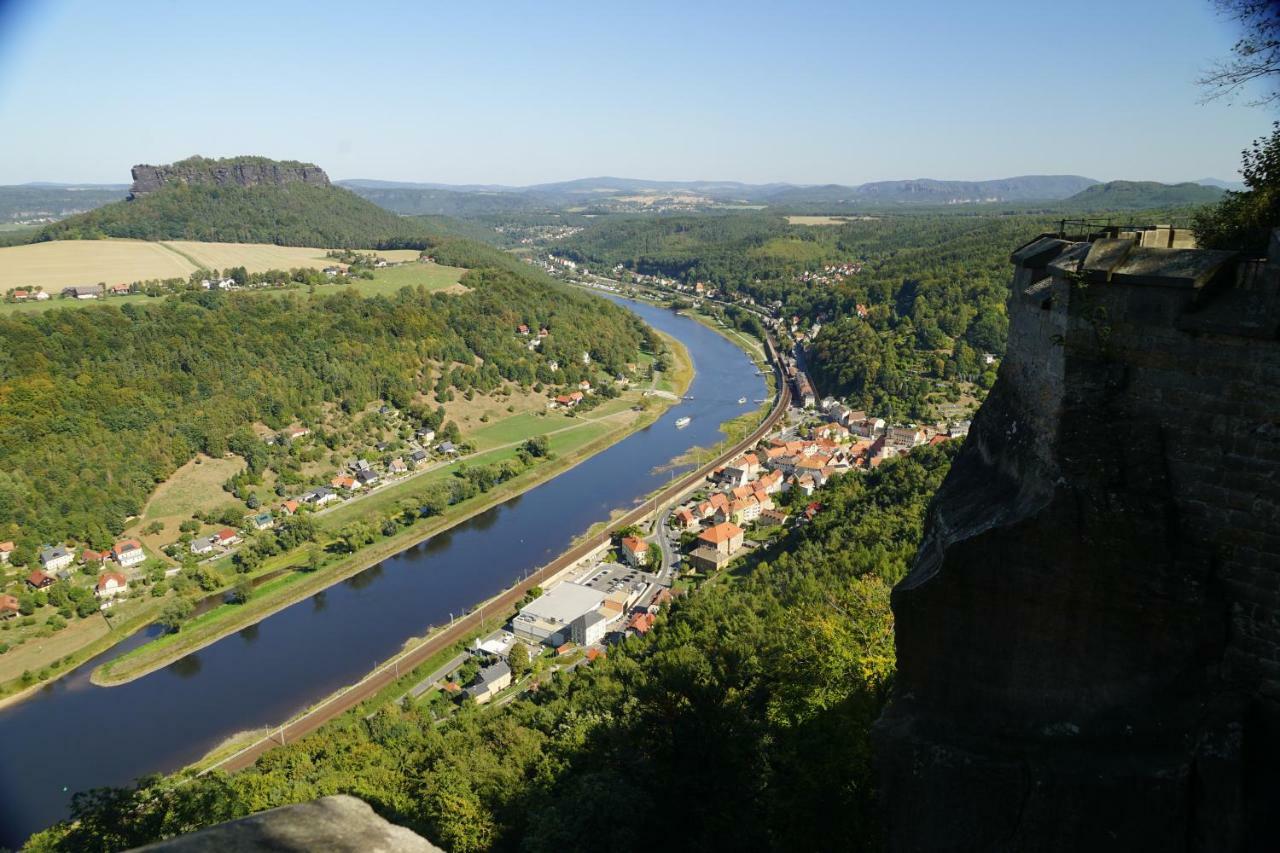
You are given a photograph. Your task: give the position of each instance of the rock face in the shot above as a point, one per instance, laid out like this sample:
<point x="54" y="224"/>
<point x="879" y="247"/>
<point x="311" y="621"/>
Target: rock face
<point x="1089" y="640"/>
<point x="340" y="824"/>
<point x="234" y="171"/>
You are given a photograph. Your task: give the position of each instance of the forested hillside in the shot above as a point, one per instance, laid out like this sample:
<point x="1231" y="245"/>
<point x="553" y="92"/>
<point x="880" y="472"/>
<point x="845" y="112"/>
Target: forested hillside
<point x="288" y="215"/>
<point x="1139" y="195"/>
<point x="933" y="288"/>
<point x="98" y="405"/>
<point x="739" y="723"/>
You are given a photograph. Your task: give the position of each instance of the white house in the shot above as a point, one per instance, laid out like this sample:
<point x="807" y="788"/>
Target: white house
<point x="111" y="584"/>
<point x="128" y="553"/>
<point x="53" y="559"/>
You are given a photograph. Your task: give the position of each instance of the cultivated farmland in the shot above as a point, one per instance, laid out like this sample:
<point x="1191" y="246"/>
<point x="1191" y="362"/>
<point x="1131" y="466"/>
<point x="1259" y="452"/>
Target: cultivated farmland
<point x="57" y="264"/>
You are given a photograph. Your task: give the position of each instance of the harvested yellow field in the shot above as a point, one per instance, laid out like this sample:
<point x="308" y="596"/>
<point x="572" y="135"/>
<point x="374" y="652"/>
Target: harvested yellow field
<point x="396" y="256"/>
<point x="62" y="263"/>
<point x="254" y="257"/>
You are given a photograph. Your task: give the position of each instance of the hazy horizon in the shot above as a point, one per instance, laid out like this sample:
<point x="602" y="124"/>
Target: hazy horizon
<point x="816" y="93"/>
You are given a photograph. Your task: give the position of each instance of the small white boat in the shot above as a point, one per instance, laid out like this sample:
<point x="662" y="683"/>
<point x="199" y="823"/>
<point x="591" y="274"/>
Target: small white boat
<point x="681" y="423"/>
<point x="741" y="400"/>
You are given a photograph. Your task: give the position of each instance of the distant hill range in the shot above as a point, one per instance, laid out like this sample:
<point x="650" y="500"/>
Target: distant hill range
<point x="288" y="201"/>
<point x="1136" y="195"/>
<point x="609" y="194"/>
<point x="1234" y="186"/>
<point x="241" y="200"/>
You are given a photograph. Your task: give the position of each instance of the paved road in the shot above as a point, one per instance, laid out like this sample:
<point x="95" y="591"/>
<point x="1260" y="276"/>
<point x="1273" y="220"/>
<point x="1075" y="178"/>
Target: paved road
<point x="505" y="601"/>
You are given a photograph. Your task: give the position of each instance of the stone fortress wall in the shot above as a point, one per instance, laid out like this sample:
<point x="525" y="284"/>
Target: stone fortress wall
<point x="1089" y="640"/>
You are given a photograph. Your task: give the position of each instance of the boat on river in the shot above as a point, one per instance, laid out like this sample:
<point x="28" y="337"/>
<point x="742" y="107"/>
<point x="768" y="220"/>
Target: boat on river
<point x="742" y="400"/>
<point x="681" y="423"/>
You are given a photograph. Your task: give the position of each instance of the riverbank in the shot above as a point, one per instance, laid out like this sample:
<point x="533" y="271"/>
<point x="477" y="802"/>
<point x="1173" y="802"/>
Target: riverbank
<point x="401" y="670"/>
<point x="298" y="584"/>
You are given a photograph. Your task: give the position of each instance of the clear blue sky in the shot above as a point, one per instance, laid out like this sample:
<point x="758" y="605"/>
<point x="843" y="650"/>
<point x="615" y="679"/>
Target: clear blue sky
<point x="525" y="92"/>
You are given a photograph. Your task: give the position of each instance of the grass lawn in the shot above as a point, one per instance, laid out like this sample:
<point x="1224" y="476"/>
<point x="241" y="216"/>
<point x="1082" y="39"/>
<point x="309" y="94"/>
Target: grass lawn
<point x="389" y="280"/>
<point x="517" y="428"/>
<point x="194" y="487"/>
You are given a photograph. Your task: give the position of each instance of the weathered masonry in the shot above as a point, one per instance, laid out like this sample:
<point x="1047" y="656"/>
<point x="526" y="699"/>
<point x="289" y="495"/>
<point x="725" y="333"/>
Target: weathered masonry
<point x="1089" y="640"/>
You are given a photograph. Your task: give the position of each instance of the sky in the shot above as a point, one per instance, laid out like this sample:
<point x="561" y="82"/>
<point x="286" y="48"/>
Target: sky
<point x="526" y="92"/>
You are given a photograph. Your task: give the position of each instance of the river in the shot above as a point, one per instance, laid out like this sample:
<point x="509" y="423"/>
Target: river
<point x="72" y="735"/>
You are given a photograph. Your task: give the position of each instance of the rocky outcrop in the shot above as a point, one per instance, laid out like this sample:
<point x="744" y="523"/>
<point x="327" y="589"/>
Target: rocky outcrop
<point x="1089" y="640"/>
<point x="234" y="171"/>
<point x="339" y="824"/>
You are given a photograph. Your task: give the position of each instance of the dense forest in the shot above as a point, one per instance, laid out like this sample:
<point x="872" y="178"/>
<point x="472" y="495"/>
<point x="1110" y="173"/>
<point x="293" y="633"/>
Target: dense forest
<point x="293" y="214"/>
<point x="739" y="723"/>
<point x="933" y="288"/>
<point x="1138" y="195"/>
<point x="115" y="398"/>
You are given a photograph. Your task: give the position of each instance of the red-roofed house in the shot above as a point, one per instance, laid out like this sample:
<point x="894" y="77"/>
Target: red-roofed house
<point x="640" y="623"/>
<point x="6" y="551"/>
<point x="226" y="537"/>
<point x="39" y="580"/>
<point x="290" y="507"/>
<point x="342" y="481"/>
<point x="128" y="553"/>
<point x="8" y="606"/>
<point x="635" y="550"/>
<point x="592" y="654"/>
<point x="91" y="557"/>
<point x="683" y="518"/>
<point x="111" y="584"/>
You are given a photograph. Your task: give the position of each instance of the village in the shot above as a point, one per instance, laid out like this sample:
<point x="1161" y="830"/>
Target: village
<point x="617" y="591"/>
<point x="51" y="593"/>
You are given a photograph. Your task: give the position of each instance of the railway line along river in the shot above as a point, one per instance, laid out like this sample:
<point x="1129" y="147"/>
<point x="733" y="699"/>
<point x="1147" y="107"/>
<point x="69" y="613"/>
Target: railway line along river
<point x="72" y="735"/>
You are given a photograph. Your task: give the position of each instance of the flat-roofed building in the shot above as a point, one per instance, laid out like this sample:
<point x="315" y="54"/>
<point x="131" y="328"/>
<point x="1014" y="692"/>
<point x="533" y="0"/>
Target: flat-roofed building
<point x="547" y="619"/>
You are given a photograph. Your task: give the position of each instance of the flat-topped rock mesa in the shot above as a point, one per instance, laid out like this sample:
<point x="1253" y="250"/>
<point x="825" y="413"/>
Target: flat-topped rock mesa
<point x="1089" y="640"/>
<point x="231" y="171"/>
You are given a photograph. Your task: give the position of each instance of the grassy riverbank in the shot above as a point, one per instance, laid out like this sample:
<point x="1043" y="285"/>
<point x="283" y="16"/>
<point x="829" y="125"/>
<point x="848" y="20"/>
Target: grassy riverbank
<point x="590" y="434"/>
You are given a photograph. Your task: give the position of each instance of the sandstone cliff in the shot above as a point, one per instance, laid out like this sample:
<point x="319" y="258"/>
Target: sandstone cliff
<point x="1089" y="640"/>
<point x="234" y="171"/>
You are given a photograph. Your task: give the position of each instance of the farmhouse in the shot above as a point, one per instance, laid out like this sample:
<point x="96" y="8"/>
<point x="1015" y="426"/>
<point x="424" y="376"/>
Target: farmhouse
<point x="39" y="580"/>
<point x="111" y="584"/>
<point x="8" y="607"/>
<point x="128" y="553"/>
<point x="83" y="291"/>
<point x="57" y="557"/>
<point x="491" y="680"/>
<point x="226" y="537"/>
<point x="320" y="496"/>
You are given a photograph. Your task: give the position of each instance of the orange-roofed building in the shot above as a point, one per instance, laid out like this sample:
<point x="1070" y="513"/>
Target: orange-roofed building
<point x="636" y="550"/>
<point x="725" y="538"/>
<point x="111" y="584"/>
<point x="641" y="623"/>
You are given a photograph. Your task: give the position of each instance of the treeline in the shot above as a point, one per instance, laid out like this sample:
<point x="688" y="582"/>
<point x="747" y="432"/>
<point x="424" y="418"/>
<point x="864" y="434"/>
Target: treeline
<point x="739" y="723"/>
<point x="293" y="214"/>
<point x="99" y="404"/>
